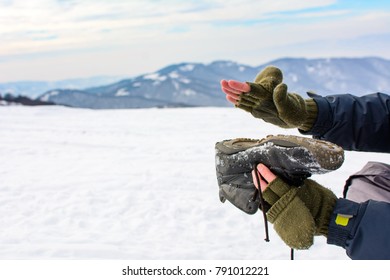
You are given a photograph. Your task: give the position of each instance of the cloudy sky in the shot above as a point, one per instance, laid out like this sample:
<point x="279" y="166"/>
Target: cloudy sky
<point x="60" y="39"/>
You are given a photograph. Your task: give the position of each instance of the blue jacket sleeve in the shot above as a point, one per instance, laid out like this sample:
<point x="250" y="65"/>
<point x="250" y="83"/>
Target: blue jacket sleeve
<point x="358" y="124"/>
<point x="354" y="123"/>
<point x="361" y="228"/>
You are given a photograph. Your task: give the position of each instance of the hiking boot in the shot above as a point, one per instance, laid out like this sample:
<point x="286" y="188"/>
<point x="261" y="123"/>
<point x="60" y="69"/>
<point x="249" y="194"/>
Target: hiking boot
<point x="293" y="158"/>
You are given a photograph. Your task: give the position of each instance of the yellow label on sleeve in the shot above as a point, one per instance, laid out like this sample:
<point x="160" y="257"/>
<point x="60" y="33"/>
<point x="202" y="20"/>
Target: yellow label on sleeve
<point x="342" y="220"/>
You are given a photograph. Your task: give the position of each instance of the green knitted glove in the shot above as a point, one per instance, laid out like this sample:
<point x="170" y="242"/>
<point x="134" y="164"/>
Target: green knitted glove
<point x="299" y="213"/>
<point x="268" y="100"/>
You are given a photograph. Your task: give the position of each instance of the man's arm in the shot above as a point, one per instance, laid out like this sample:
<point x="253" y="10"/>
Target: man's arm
<point x="363" y="229"/>
<point x="354" y="123"/>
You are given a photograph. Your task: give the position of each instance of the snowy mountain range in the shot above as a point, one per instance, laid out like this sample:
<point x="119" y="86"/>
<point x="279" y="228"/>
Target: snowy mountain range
<point x="186" y="84"/>
<point x="196" y="84"/>
<point x="33" y="89"/>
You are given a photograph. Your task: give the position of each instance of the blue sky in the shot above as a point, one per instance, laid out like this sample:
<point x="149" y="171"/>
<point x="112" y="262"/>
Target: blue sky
<point x="60" y="39"/>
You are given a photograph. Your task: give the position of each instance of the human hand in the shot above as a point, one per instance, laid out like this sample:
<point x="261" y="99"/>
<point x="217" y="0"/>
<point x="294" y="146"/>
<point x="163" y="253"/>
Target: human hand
<point x="297" y="213"/>
<point x="267" y="99"/>
<point x="233" y="89"/>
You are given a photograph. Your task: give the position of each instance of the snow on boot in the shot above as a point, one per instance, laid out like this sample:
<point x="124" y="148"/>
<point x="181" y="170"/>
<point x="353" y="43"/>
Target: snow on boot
<point x="293" y="158"/>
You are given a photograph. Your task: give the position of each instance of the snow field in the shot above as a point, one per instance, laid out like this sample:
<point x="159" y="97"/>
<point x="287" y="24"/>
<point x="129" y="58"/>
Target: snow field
<point x="132" y="184"/>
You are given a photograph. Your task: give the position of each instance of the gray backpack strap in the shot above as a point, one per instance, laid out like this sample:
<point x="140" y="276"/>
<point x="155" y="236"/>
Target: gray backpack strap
<point x="372" y="182"/>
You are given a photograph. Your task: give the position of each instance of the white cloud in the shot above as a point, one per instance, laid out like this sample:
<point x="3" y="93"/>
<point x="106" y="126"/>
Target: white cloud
<point x="135" y="37"/>
<point x="25" y="25"/>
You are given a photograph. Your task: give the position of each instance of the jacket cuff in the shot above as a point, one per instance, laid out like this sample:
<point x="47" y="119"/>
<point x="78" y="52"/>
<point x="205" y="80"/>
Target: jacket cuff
<point x="342" y="222"/>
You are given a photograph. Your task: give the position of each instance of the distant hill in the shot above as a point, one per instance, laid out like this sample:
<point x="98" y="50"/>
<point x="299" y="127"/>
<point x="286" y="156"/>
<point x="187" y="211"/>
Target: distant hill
<point x="196" y="84"/>
<point x="186" y="84"/>
<point x="32" y="89"/>
<point x="9" y="99"/>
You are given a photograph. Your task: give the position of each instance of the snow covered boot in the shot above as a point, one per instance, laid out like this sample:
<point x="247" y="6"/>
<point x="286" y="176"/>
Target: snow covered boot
<point x="293" y="158"/>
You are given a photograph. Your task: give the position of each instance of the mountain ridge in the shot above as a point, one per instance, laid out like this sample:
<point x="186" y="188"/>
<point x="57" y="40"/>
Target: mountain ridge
<point x="197" y="84"/>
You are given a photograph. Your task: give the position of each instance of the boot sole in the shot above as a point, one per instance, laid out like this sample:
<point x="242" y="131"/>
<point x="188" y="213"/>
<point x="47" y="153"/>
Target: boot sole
<point x="325" y="156"/>
<point x="292" y="158"/>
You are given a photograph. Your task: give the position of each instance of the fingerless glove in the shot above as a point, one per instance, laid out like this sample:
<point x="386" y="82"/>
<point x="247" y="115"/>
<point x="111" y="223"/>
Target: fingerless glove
<point x="299" y="213"/>
<point x="269" y="100"/>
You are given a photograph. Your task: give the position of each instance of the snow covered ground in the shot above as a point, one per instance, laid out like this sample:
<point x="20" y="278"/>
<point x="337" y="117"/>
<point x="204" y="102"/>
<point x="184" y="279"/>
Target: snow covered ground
<point x="132" y="184"/>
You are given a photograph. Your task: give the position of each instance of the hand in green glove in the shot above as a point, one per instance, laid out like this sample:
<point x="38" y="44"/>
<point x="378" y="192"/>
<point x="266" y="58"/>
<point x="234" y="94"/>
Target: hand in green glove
<point x="267" y="99"/>
<point x="297" y="213"/>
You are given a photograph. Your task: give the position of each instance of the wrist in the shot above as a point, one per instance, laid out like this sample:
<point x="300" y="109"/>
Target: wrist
<point x="312" y="112"/>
